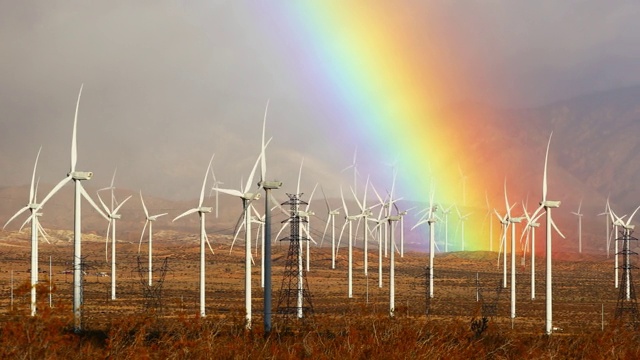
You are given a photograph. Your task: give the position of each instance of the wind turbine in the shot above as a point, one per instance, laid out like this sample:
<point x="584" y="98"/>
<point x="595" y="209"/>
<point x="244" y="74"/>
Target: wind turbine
<point x="113" y="216"/>
<point x="627" y="228"/>
<point x="266" y="243"/>
<point x="615" y="222"/>
<point x="504" y="224"/>
<point x="306" y="215"/>
<point x="365" y="212"/>
<point x="579" y="215"/>
<point x="247" y="197"/>
<point x="391" y="219"/>
<point x="430" y="219"/>
<point x="513" y="221"/>
<point x="532" y="224"/>
<point x="348" y="220"/>
<point x="202" y="211"/>
<point x="462" y="219"/>
<point x="35" y="229"/>
<point x="354" y="166"/>
<point x="80" y="192"/>
<point x="608" y="225"/>
<point x="148" y="221"/>
<point x="216" y="183"/>
<point x="331" y="218"/>
<point x="488" y="216"/>
<point x="445" y="213"/>
<point x="547" y="205"/>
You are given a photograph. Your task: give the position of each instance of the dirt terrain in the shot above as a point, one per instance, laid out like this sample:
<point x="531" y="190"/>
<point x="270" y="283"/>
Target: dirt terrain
<point x="584" y="293"/>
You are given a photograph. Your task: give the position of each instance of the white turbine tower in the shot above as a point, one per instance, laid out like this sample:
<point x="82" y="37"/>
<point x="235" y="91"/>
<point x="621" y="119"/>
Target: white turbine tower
<point x="113" y="216"/>
<point x="579" y="215"/>
<point x="504" y="224"/>
<point x="149" y="220"/>
<point x="616" y="222"/>
<point x="32" y="205"/>
<point x="80" y="192"/>
<point x="331" y="218"/>
<point x="247" y="197"/>
<point x="547" y="205"/>
<point x="392" y="219"/>
<point x="201" y="210"/>
<point x="430" y="218"/>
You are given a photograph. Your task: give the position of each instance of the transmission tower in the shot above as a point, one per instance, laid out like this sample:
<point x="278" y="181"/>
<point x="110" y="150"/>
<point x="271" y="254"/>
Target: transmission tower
<point x="152" y="294"/>
<point x="627" y="306"/>
<point x="295" y="298"/>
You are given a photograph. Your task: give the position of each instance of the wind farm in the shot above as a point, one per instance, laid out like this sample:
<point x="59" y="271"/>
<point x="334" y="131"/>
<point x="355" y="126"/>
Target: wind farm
<point x="411" y="149"/>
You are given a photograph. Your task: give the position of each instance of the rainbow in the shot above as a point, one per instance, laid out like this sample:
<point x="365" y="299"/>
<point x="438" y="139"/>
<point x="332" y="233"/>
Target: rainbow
<point x="376" y="69"/>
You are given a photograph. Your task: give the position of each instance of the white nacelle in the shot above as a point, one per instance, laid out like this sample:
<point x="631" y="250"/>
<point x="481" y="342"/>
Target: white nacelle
<point x="81" y="175"/>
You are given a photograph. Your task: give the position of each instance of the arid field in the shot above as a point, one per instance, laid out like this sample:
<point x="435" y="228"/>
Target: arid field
<point x="584" y="306"/>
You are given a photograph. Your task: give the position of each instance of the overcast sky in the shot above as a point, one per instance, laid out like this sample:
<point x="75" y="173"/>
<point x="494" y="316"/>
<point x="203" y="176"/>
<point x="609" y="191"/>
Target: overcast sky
<point x="168" y="83"/>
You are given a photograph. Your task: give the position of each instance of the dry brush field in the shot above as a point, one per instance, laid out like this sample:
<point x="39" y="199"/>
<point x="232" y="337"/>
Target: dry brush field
<point x="584" y="304"/>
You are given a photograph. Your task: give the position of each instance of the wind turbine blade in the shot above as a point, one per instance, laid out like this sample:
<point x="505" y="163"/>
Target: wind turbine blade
<point x="52" y="192"/>
<point x="340" y="237"/>
<point x="144" y="228"/>
<point x="263" y="161"/>
<point x="506" y="200"/>
<point x="632" y="215"/>
<point x="311" y="196"/>
<point x="74" y="146"/>
<point x="90" y="200"/>
<point x="120" y="205"/>
<point x="16" y="215"/>
<point x="43" y="233"/>
<point x="231" y="192"/>
<point x="344" y="204"/>
<point x="146" y="213"/>
<point x="284" y="225"/>
<point x="104" y="206"/>
<point x="377" y="195"/>
<point x="326" y="201"/>
<point x="163" y="214"/>
<point x="188" y="212"/>
<point x="235" y="236"/>
<point x="356" y="198"/>
<point x="106" y="242"/>
<point x="33" y="178"/>
<point x="544" y="177"/>
<point x="421" y="222"/>
<point x="556" y="228"/>
<point x="304" y="229"/>
<point x="580" y="206"/>
<point x="206" y="238"/>
<point x="299" y="176"/>
<point x="253" y="170"/>
<point x="326" y="226"/>
<point x="204" y="183"/>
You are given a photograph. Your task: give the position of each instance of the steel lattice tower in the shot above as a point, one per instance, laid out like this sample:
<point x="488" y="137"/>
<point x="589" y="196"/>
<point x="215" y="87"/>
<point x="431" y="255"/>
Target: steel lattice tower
<point x="627" y="305"/>
<point x="295" y="297"/>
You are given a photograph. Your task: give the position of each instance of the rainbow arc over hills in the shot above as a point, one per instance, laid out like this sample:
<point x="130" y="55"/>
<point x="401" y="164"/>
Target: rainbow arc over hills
<point x="378" y="71"/>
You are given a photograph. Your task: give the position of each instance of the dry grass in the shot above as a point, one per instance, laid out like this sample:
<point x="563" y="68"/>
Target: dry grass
<point x="341" y="327"/>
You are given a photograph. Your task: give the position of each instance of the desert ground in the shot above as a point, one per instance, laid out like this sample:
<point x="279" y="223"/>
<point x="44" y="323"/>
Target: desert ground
<point x="584" y="294"/>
